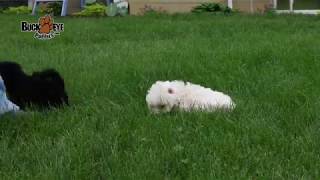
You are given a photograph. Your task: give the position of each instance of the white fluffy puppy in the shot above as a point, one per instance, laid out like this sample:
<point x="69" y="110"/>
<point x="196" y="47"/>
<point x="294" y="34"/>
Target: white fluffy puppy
<point x="164" y="96"/>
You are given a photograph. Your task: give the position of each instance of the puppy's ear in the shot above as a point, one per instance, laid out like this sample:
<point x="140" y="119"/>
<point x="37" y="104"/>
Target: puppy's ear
<point x="170" y="91"/>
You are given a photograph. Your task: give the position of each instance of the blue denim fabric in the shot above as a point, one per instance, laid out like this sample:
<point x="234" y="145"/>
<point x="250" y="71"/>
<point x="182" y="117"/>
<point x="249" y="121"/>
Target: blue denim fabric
<point x="5" y="104"/>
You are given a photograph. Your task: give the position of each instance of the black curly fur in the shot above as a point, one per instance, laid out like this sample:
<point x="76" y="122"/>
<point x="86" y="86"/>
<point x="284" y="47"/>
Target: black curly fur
<point x="43" y="89"/>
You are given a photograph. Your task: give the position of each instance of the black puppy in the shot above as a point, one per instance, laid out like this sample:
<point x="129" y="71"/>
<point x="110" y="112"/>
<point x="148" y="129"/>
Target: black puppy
<point x="42" y="89"/>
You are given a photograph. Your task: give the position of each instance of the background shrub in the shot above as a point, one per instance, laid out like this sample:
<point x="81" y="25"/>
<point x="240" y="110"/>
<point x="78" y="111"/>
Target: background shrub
<point x="17" y="10"/>
<point x="51" y="8"/>
<point x="211" y="8"/>
<point x="95" y="9"/>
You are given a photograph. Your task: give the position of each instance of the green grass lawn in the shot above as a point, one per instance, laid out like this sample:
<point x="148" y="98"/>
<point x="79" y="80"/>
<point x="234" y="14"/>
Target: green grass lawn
<point x="269" y="65"/>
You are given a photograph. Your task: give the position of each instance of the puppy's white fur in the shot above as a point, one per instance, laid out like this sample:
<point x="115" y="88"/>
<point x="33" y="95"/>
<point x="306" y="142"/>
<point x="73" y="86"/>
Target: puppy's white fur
<point x="164" y="96"/>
